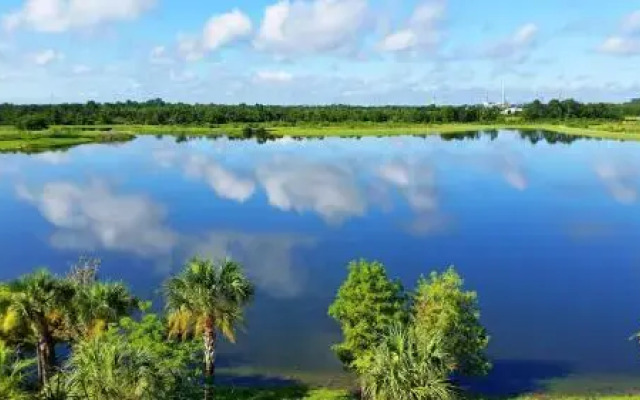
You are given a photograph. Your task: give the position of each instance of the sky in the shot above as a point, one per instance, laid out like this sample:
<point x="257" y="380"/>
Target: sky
<point x="367" y="52"/>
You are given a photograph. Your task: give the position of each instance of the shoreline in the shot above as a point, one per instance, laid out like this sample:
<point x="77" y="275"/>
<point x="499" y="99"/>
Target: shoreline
<point x="63" y="137"/>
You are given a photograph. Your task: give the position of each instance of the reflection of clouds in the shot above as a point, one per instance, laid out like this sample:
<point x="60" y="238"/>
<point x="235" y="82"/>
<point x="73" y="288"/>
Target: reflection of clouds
<point x="53" y="157"/>
<point x="92" y="216"/>
<point x="300" y="185"/>
<point x="268" y="258"/>
<point x="497" y="160"/>
<point x="513" y="172"/>
<point x="621" y="180"/>
<point x="417" y="182"/>
<point x="225" y="183"/>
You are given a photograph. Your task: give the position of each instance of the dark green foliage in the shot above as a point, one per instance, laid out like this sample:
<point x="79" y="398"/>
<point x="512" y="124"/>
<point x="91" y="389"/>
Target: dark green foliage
<point x="134" y="361"/>
<point x="441" y="308"/>
<point x="408" y="367"/>
<point x="571" y="109"/>
<point x="32" y="123"/>
<point x="366" y="305"/>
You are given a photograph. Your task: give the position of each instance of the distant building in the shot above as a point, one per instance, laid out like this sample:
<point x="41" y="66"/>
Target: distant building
<point x="511" y="110"/>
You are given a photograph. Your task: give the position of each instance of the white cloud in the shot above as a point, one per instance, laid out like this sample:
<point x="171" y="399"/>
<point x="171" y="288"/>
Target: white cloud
<point x="273" y="76"/>
<point x="627" y="41"/>
<point x="399" y="41"/>
<point x="81" y="69"/>
<point x="219" y="31"/>
<point x="93" y="216"/>
<point x="314" y="26"/>
<point x="299" y="185"/>
<point x="519" y="42"/>
<point x="46" y="57"/>
<point x="223" y="29"/>
<point x="423" y="29"/>
<point x="631" y="23"/>
<point x="65" y="15"/>
<point x="620" y="45"/>
<point x="160" y="56"/>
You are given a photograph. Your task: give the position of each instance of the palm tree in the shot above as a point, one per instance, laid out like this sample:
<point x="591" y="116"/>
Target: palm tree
<point x="35" y="305"/>
<point x="12" y="374"/>
<point x="407" y="367"/>
<point x="206" y="298"/>
<point x="96" y="304"/>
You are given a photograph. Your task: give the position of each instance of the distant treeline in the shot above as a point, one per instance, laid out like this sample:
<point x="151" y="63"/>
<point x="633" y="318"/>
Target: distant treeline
<point x="158" y="112"/>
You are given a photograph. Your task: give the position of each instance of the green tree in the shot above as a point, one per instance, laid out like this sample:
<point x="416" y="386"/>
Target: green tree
<point x="403" y="367"/>
<point x="441" y="308"/>
<point x="205" y="298"/>
<point x="367" y="304"/>
<point x="32" y="310"/>
<point x="96" y="304"/>
<point x="12" y="374"/>
<point x="131" y="362"/>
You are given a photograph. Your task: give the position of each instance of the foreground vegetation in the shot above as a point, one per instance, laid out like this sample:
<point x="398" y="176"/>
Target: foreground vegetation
<point x="398" y="344"/>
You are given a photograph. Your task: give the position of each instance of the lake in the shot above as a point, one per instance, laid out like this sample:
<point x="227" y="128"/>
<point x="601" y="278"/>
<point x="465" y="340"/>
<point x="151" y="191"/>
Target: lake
<point x="547" y="231"/>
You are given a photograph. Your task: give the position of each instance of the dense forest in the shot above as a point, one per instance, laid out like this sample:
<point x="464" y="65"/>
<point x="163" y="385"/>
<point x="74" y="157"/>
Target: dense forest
<point x="158" y="112"/>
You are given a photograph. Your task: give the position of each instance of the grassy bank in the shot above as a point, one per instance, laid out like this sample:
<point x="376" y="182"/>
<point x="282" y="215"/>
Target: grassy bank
<point x="301" y="393"/>
<point x="59" y="137"/>
<point x="12" y="140"/>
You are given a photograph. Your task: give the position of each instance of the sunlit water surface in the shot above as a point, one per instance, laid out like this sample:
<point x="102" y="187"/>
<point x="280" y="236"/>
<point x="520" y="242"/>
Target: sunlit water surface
<point x="548" y="234"/>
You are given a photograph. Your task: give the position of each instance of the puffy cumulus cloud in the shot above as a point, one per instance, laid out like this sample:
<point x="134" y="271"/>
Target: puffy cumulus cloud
<point x="304" y="27"/>
<point x="219" y="31"/>
<point x="299" y="185"/>
<point x="273" y="76"/>
<point x="423" y="30"/>
<point x="620" y="46"/>
<point x="224" y="183"/>
<point x="223" y="29"/>
<point x="517" y="44"/>
<point x="627" y="41"/>
<point x="65" y="15"/>
<point x="46" y="57"/>
<point x="267" y="258"/>
<point x="93" y="216"/>
<point x="620" y="179"/>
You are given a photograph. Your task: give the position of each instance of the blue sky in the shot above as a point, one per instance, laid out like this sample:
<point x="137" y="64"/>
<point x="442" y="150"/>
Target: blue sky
<point x="319" y="51"/>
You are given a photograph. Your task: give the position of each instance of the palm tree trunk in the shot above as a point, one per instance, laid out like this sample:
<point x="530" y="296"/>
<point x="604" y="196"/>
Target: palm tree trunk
<point x="209" y="338"/>
<point x="46" y="358"/>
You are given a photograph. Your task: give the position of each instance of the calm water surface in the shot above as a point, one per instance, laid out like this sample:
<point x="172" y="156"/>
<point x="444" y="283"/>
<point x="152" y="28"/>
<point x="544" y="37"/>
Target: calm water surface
<point x="548" y="234"/>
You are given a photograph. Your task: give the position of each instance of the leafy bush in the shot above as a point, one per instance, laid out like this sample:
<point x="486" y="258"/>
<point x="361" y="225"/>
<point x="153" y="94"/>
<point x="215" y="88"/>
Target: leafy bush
<point x="33" y="123"/>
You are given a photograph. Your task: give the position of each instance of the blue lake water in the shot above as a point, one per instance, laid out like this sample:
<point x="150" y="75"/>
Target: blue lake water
<point x="548" y="234"/>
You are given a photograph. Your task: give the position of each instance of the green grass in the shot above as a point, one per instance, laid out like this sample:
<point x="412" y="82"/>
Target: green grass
<point x="288" y="393"/>
<point x="61" y="137"/>
<point x="625" y="130"/>
<point x="12" y="140"/>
